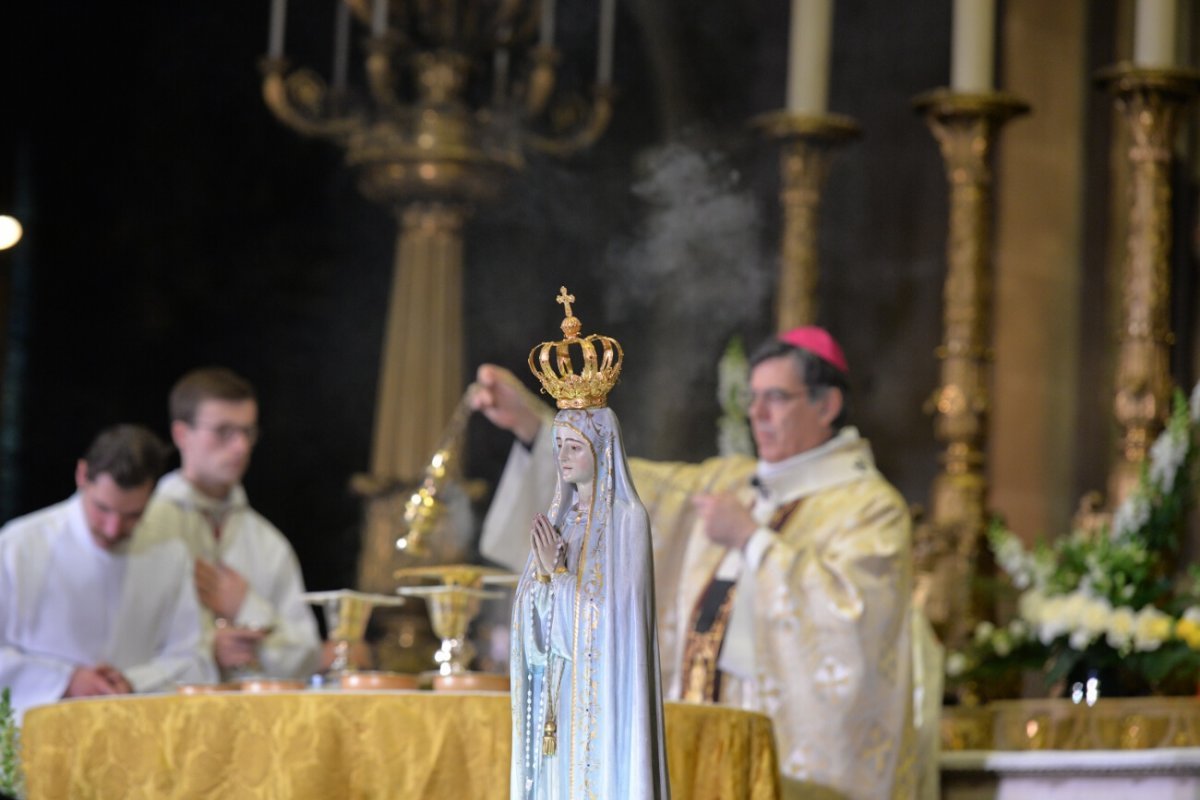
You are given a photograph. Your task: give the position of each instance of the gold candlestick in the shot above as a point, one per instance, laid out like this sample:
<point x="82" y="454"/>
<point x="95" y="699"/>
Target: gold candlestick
<point x="454" y="96"/>
<point x="966" y="127"/>
<point x="804" y="161"/>
<point x="1151" y="101"/>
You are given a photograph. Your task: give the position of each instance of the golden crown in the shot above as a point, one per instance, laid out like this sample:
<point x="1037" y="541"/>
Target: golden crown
<point x="589" y="388"/>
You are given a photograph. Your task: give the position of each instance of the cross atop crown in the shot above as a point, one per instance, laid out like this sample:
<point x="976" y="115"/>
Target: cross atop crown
<point x="570" y="324"/>
<point x="565" y="299"/>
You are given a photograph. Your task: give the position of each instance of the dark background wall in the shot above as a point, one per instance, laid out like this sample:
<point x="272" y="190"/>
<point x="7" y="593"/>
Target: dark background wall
<point x="172" y="222"/>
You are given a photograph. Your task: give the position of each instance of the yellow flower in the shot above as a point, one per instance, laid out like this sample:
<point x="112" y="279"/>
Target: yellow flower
<point x="1188" y="631"/>
<point x="1151" y="629"/>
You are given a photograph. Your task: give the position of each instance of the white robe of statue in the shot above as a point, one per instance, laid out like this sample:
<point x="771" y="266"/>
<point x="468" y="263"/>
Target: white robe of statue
<point x="584" y="646"/>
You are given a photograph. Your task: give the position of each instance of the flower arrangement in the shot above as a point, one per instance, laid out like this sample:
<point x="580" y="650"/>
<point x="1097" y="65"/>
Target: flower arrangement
<point x="12" y="780"/>
<point x="1104" y="600"/>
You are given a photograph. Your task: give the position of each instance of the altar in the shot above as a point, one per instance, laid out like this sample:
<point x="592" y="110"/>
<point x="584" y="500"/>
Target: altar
<point x="350" y="745"/>
<point x="1165" y="773"/>
<point x="1052" y="748"/>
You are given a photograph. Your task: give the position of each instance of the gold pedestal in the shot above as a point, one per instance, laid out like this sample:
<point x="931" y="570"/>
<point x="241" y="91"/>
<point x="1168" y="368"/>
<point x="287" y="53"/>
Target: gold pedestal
<point x="1127" y="723"/>
<point x="1151" y="102"/>
<point x="470" y="682"/>
<point x="966" y="127"/>
<point x="1123" y="723"/>
<point x="346" y="615"/>
<point x="807" y="141"/>
<point x="377" y="681"/>
<point x="966" y="728"/>
<point x="453" y="605"/>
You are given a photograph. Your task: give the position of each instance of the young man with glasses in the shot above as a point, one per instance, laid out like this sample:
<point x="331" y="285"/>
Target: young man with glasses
<point x="247" y="576"/>
<point x="783" y="583"/>
<point x="90" y="604"/>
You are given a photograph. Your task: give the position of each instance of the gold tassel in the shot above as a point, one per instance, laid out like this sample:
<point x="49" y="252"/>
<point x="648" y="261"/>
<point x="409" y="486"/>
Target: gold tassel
<point x="550" y="738"/>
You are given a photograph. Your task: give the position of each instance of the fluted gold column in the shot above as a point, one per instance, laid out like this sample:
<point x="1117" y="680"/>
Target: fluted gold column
<point x="807" y="141"/>
<point x="965" y="126"/>
<point x="1150" y="101"/>
<point x="421" y="370"/>
<point x="420" y="376"/>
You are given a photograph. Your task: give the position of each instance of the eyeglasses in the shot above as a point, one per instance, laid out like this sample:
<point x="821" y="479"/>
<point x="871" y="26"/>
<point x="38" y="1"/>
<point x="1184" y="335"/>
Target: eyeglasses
<point x="773" y="398"/>
<point x="225" y="433"/>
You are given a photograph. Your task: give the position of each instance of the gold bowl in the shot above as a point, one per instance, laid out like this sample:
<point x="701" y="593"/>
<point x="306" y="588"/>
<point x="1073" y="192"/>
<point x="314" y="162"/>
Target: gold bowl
<point x="204" y="688"/>
<point x="471" y="682"/>
<point x="378" y="680"/>
<point x="266" y="685"/>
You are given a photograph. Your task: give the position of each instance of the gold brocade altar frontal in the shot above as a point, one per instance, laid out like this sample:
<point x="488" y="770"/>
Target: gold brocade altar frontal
<point x="324" y="745"/>
<point x="1132" y="723"/>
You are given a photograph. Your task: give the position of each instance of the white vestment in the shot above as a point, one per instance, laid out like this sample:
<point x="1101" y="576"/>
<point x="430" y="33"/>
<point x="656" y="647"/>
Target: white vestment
<point x="255" y="548"/>
<point x="66" y="603"/>
<point x="821" y="633"/>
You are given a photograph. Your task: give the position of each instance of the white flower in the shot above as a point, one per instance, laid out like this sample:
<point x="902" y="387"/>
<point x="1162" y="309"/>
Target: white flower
<point x="983" y="632"/>
<point x="1018" y="630"/>
<point x="956" y="664"/>
<point x="1052" y="620"/>
<point x="1084" y="617"/>
<point x="1029" y="606"/>
<point x="1073" y="608"/>
<point x="1080" y="639"/>
<point x="1011" y="556"/>
<point x="1121" y="624"/>
<point x="1192" y="615"/>
<point x="1131" y="515"/>
<point x="1166" y="455"/>
<point x="1095" y="614"/>
<point x="1151" y="628"/>
<point x="1042" y="568"/>
<point x="1001" y="643"/>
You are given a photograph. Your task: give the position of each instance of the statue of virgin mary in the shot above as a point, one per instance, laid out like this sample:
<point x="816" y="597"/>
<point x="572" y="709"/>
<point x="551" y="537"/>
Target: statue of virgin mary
<point x="586" y="694"/>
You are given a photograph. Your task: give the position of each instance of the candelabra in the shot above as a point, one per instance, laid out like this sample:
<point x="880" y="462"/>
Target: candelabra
<point x="455" y="92"/>
<point x="1150" y="101"/>
<point x="808" y="140"/>
<point x="966" y="126"/>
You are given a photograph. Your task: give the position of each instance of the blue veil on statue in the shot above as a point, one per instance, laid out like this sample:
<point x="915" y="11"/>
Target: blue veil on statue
<point x="586" y="694"/>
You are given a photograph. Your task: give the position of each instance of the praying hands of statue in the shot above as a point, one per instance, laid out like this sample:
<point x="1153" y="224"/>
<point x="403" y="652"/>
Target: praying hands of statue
<point x="101" y="679"/>
<point x="726" y="521"/>
<point x="236" y="647"/>
<point x="221" y="589"/>
<point x="549" y="549"/>
<point x="504" y="400"/>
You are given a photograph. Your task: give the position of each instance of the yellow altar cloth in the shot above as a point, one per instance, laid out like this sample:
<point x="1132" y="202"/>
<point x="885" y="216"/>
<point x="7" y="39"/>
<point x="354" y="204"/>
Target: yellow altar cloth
<point x="345" y="745"/>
